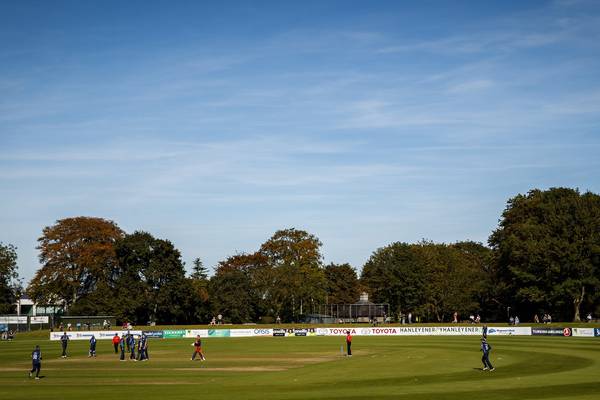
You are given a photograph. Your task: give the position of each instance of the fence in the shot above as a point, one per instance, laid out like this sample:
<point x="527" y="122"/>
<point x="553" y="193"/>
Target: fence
<point x="20" y="323"/>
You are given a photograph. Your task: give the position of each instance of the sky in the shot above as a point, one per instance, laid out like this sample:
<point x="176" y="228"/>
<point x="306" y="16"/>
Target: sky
<point x="363" y="123"/>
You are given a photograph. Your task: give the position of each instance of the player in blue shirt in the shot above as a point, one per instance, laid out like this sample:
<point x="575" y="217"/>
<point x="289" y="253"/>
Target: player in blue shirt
<point x="143" y="348"/>
<point x="64" y="341"/>
<point x="92" y="346"/>
<point x="485" y="359"/>
<point x="36" y="361"/>
<point x="122" y="345"/>
<point x="131" y="342"/>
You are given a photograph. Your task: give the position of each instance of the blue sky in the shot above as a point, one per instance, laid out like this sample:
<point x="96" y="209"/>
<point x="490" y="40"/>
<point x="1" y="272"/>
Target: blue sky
<point x="364" y="123"/>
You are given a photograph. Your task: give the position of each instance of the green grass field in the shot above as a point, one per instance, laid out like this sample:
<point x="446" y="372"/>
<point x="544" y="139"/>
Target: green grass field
<point x="310" y="368"/>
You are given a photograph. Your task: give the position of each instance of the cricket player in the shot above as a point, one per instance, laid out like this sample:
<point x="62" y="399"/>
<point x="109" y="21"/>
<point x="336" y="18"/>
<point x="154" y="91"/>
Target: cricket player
<point x="485" y="359"/>
<point x="122" y="346"/>
<point x="142" y="347"/>
<point x="349" y="344"/>
<point x="36" y="361"/>
<point x="198" y="349"/>
<point x="145" y="347"/>
<point x="92" y="346"/>
<point x="64" y="341"/>
<point x="131" y="344"/>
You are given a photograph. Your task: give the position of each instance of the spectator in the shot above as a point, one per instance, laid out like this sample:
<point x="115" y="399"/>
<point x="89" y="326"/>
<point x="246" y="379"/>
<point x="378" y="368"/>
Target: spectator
<point x="220" y="319"/>
<point x="517" y="321"/>
<point x="472" y="318"/>
<point x="589" y="318"/>
<point x="477" y="319"/>
<point x="410" y="318"/>
<point x="511" y="320"/>
<point x="536" y="319"/>
<point x="455" y="318"/>
<point x="278" y="320"/>
<point x="213" y="321"/>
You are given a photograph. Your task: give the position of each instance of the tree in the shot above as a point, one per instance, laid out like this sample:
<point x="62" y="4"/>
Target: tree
<point x="342" y="284"/>
<point x="426" y="278"/>
<point x="200" y="272"/>
<point x="8" y="278"/>
<point x="395" y="274"/>
<point x="231" y="290"/>
<point x="453" y="279"/>
<point x="297" y="276"/>
<point x="199" y="305"/>
<point x="78" y="259"/>
<point x="547" y="250"/>
<point x="151" y="282"/>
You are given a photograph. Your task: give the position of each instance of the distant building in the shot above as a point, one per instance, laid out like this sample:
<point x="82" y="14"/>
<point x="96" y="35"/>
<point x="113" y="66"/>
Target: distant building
<point x="361" y="311"/>
<point x="26" y="306"/>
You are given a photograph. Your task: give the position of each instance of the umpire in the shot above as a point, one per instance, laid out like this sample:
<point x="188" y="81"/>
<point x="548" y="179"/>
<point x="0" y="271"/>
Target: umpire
<point x="64" y="341"/>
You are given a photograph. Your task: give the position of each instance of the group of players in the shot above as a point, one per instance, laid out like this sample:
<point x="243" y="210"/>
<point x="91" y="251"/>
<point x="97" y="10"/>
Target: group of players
<point x="129" y="343"/>
<point x="134" y="345"/>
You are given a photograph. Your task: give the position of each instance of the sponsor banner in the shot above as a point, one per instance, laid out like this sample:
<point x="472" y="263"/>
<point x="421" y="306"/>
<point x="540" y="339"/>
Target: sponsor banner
<point x="192" y="333"/>
<point x="172" y="334"/>
<point x="262" y="332"/>
<point x="13" y="319"/>
<point x="403" y="331"/>
<point x="596" y="331"/>
<point x="300" y="332"/>
<point x="43" y="319"/>
<point x="86" y="335"/>
<point x="3" y="327"/>
<point x="241" y="332"/>
<point x="441" y="331"/>
<point x="107" y="334"/>
<point x="502" y="331"/>
<point x="583" y="332"/>
<point x="154" y="334"/>
<point x="384" y="331"/>
<point x="219" y="332"/>
<point x="339" y="331"/>
<point x="279" y="332"/>
<point x="551" y="331"/>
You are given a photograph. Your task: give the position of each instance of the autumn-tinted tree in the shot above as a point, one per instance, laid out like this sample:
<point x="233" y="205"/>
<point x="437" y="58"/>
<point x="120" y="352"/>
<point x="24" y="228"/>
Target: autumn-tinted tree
<point x="342" y="284"/>
<point x="298" y="278"/>
<point x="8" y="278"/>
<point x="78" y="259"/>
<point x="547" y="250"/>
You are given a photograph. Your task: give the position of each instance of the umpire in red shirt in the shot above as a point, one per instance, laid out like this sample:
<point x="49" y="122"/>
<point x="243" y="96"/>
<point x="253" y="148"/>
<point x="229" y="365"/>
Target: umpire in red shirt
<point x="349" y="343"/>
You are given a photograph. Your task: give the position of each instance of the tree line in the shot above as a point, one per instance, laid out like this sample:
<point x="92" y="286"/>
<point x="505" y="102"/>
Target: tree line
<point x="544" y="257"/>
